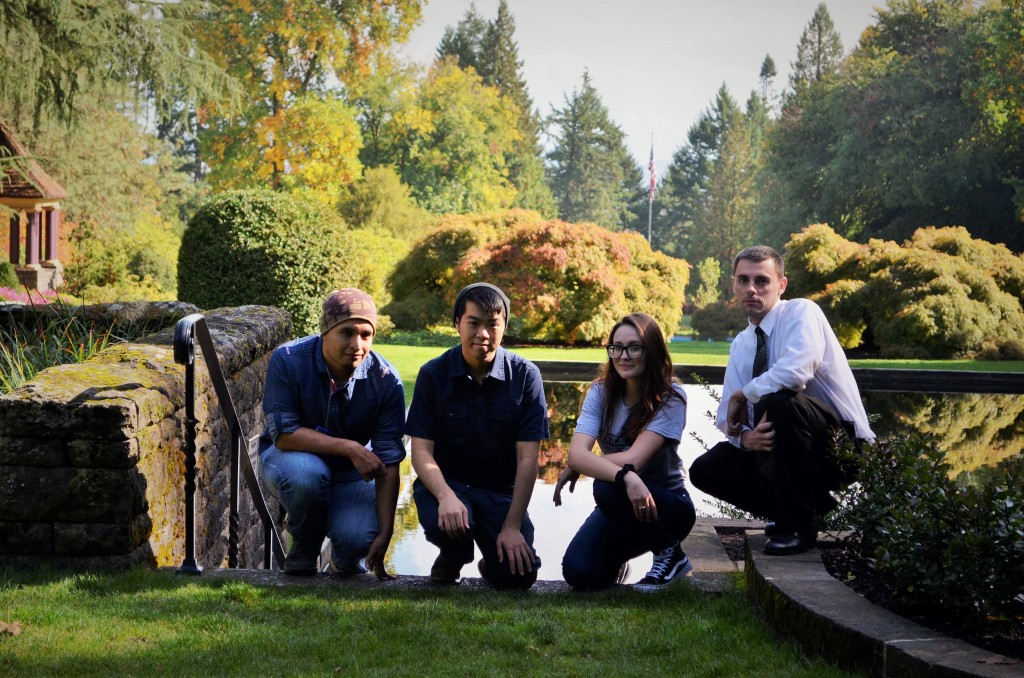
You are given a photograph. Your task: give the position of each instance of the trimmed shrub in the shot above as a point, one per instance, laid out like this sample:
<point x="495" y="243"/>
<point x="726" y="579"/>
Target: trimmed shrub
<point x="940" y="295"/>
<point x="8" y="278"/>
<point x="379" y="200"/>
<point x="570" y="283"/>
<point x="814" y="257"/>
<point x="260" y="247"/>
<point x="421" y="284"/>
<point x="719" y="321"/>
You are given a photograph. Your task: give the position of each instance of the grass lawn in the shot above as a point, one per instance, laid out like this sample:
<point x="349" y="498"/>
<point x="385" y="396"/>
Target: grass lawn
<point x="156" y="623"/>
<point x="408" y="359"/>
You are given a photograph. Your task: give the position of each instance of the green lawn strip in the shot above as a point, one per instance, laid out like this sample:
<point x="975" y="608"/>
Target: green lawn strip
<point x="408" y="359"/>
<point x="155" y="623"/>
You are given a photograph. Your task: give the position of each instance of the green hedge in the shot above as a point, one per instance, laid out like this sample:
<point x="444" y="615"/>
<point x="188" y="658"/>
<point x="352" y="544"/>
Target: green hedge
<point x="260" y="247"/>
<point x="941" y="294"/>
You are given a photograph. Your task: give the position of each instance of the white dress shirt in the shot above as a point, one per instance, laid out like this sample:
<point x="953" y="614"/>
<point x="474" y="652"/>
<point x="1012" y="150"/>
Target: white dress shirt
<point x="803" y="356"/>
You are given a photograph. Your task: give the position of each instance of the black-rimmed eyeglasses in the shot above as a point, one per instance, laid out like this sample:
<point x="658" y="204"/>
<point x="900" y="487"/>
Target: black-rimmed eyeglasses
<point x="633" y="351"/>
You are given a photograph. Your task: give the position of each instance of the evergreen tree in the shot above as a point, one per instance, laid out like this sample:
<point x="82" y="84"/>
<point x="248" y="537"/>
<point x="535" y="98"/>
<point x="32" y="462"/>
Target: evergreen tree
<point x="689" y="174"/>
<point x="591" y="173"/>
<point x="768" y="73"/>
<point x="819" y="52"/>
<point x="53" y="52"/>
<point x="464" y="41"/>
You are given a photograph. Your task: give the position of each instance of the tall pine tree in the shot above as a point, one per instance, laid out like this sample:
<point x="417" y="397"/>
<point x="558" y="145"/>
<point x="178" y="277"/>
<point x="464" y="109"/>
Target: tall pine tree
<point x="689" y="175"/>
<point x="819" y="52"/>
<point x="591" y="173"/>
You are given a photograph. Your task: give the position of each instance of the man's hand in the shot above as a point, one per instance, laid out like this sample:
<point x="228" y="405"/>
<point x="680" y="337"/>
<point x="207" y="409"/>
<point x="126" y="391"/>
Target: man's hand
<point x="452" y="516"/>
<point x="761" y="438"/>
<point x="375" y="557"/>
<point x="736" y="414"/>
<point x="566" y="476"/>
<point x="513" y="547"/>
<point x="368" y="464"/>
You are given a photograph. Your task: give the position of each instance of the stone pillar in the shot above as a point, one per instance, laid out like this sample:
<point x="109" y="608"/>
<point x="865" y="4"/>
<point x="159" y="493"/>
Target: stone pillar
<point x="52" y="225"/>
<point x="32" y="239"/>
<point x="15" y="246"/>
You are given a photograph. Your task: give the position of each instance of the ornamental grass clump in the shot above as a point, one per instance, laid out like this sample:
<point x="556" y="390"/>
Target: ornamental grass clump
<point x="59" y="334"/>
<point x="938" y="541"/>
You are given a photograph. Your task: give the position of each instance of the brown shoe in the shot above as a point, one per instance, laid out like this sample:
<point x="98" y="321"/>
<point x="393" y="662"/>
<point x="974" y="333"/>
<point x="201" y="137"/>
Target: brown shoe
<point x="445" y="571"/>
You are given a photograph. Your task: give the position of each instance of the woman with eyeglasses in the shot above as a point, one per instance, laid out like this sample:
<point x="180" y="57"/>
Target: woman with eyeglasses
<point x="635" y="412"/>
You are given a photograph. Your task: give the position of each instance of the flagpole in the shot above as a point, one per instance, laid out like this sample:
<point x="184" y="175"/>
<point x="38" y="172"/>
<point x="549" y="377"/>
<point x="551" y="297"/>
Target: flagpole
<point x="650" y="200"/>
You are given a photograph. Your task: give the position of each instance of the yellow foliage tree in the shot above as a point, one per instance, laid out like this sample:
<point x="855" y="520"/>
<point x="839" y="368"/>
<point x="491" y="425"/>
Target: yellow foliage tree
<point x="292" y="58"/>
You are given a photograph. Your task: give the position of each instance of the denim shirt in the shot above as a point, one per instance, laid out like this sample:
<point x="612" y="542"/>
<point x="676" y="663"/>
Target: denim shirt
<point x="298" y="394"/>
<point x="474" y="426"/>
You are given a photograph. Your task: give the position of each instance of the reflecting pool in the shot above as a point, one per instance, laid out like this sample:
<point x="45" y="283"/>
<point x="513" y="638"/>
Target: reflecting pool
<point x="974" y="430"/>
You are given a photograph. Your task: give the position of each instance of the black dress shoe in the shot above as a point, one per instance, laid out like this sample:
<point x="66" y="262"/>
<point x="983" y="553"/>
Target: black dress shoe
<point x="771" y="530"/>
<point x="788" y="544"/>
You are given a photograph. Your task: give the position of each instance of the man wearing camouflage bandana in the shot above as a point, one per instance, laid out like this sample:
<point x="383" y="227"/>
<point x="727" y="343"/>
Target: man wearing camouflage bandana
<point x="333" y="439"/>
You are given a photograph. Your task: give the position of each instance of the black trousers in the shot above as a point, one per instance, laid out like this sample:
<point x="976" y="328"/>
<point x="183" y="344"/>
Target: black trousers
<point x="788" y="485"/>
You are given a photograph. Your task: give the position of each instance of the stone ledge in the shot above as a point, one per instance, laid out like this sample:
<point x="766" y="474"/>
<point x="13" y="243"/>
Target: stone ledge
<point x="801" y="600"/>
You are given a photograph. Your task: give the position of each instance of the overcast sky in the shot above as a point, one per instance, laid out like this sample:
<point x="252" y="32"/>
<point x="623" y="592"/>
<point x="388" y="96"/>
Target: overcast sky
<point x="656" y="63"/>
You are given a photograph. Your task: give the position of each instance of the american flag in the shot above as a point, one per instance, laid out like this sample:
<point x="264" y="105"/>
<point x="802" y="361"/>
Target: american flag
<point x="650" y="168"/>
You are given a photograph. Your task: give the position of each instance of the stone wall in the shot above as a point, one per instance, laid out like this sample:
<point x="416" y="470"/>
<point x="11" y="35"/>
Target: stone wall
<point x="91" y="454"/>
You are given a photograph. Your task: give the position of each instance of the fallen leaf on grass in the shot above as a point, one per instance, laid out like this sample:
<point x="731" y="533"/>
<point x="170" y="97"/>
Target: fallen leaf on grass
<point x="999" y="659"/>
<point x="11" y="629"/>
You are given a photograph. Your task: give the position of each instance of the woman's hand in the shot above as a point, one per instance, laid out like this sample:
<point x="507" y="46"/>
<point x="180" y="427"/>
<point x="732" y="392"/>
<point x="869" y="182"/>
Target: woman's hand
<point x="640" y="497"/>
<point x="566" y="476"/>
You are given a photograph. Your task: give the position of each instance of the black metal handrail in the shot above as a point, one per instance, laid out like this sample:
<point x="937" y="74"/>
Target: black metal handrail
<point x="190" y="329"/>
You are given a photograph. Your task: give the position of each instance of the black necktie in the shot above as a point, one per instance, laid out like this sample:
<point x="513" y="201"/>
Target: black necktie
<point x="761" y="355"/>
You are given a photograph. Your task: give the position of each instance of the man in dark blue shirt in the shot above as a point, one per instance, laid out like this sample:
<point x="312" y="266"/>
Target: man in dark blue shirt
<point x="477" y="418"/>
<point x="333" y="439"/>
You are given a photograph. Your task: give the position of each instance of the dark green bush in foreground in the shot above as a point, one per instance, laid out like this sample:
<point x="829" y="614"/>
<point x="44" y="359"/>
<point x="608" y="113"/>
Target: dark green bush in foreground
<point x="940" y="542"/>
<point x="8" y="278"/>
<point x="259" y="247"/>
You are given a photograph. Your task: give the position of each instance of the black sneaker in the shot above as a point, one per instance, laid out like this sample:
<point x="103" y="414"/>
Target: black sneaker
<point x="300" y="563"/>
<point x="669" y="566"/>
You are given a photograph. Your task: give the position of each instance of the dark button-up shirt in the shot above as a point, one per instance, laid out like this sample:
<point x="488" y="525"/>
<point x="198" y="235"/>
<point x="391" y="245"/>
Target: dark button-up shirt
<point x="474" y="426"/>
<point x="370" y="409"/>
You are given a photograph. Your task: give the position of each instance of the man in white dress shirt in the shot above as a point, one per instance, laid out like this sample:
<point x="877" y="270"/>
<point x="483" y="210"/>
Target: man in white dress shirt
<point x="782" y="403"/>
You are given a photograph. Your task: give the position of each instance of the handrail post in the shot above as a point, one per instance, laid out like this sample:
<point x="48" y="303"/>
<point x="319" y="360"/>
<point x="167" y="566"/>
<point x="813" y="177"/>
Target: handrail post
<point x="236" y="446"/>
<point x="184" y="353"/>
<point x="188" y="331"/>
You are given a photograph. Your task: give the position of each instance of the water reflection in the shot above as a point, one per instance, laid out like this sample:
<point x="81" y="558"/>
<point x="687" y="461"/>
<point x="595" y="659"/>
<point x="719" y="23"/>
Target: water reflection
<point x="974" y="430"/>
<point x="410" y="552"/>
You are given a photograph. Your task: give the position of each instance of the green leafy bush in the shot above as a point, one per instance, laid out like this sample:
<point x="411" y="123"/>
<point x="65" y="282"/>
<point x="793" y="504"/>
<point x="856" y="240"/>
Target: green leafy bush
<point x="941" y="294"/>
<point x="939" y="541"/>
<point x="421" y="283"/>
<point x="572" y="282"/>
<point x="379" y="200"/>
<point x="8" y="278"/>
<point x="719" y="321"/>
<point x="259" y="247"/>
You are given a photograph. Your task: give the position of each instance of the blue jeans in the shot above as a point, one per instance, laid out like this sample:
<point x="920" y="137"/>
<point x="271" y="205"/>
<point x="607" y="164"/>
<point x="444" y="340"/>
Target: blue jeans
<point x="319" y="506"/>
<point x="612" y="535"/>
<point x="487" y="511"/>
